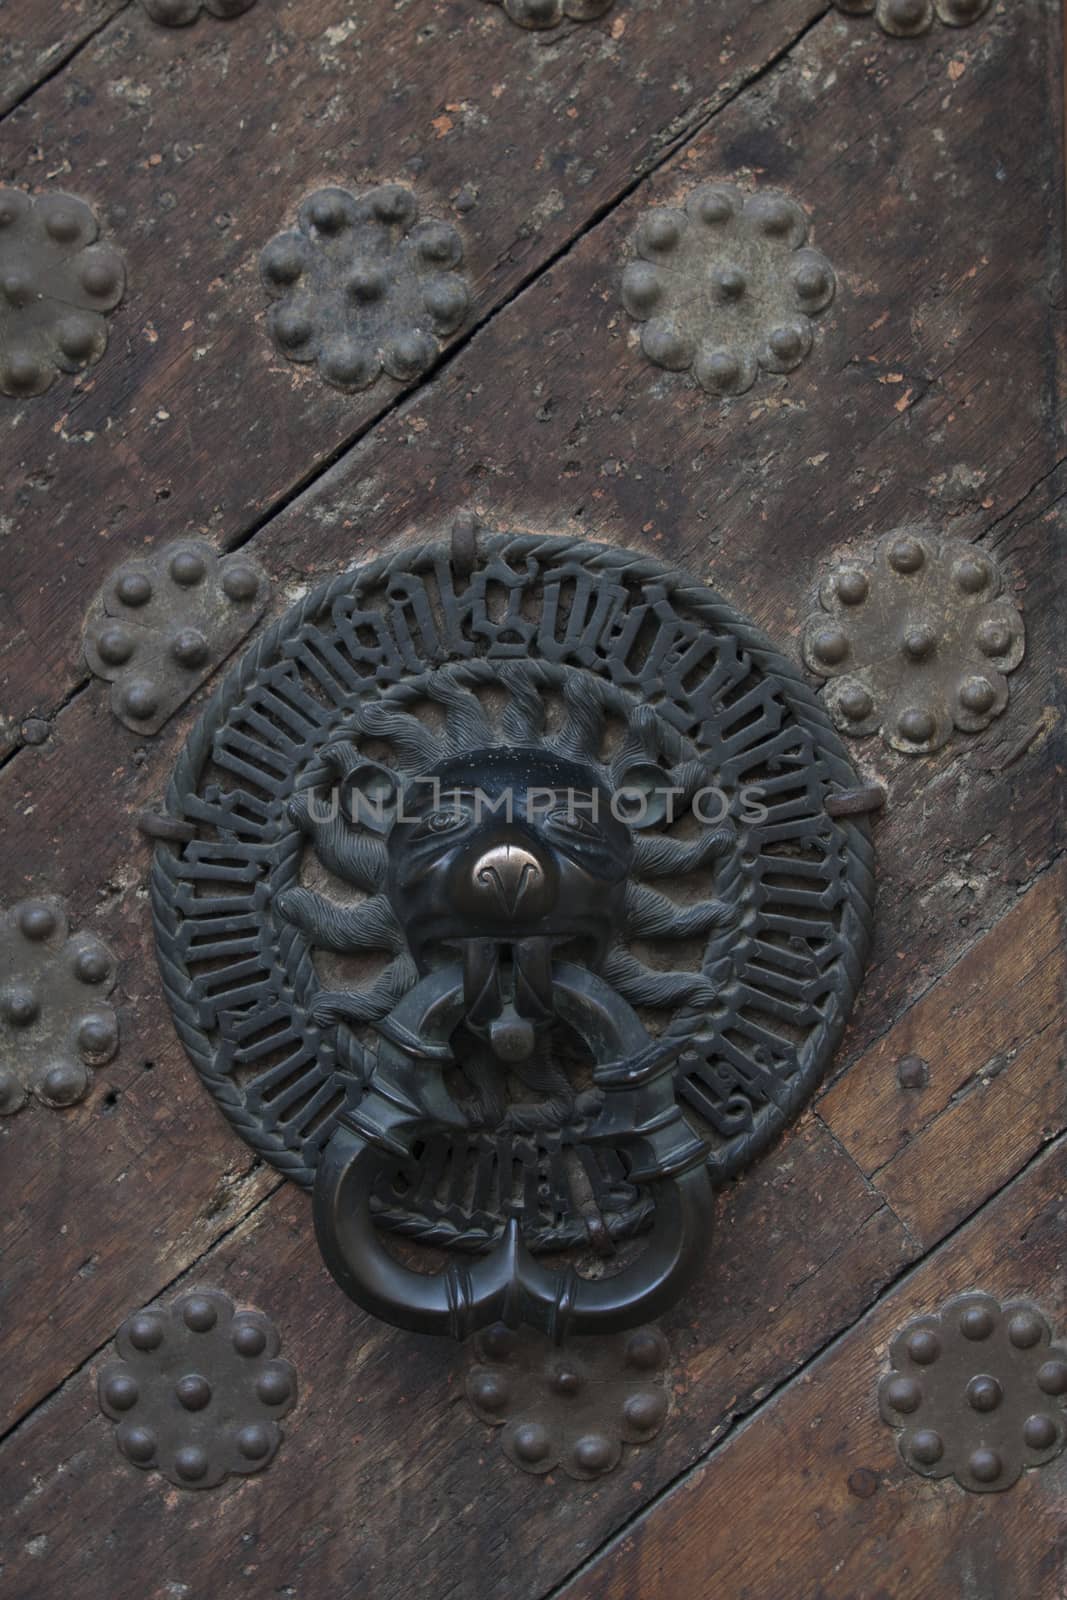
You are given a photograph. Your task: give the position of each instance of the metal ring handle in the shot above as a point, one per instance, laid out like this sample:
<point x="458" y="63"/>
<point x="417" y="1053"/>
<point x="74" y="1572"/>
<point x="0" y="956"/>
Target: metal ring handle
<point x="509" y="1285"/>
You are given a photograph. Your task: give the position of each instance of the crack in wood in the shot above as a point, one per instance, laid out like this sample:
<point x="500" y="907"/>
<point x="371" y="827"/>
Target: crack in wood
<point x="63" y="61"/>
<point x="696" y="124"/>
<point x="766" y="1407"/>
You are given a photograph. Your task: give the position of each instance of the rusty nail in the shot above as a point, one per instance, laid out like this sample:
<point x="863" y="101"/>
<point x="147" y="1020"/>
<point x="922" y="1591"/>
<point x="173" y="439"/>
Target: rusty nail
<point x="863" y="1483"/>
<point x="912" y="1072"/>
<point x="854" y="802"/>
<point x="465" y="543"/>
<point x="157" y="825"/>
<point x="35" y="730"/>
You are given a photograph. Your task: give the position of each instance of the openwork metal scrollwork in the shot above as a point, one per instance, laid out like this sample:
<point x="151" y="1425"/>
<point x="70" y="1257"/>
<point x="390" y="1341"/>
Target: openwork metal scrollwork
<point x="513" y="921"/>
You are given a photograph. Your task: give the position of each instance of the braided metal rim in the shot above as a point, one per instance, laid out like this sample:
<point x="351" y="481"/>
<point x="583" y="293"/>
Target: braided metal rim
<point x="618" y="564"/>
<point x="568" y="1235"/>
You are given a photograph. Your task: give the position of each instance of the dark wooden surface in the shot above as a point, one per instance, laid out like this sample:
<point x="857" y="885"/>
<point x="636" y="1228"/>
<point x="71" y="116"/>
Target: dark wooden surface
<point x="810" y="1501"/>
<point x="803" y="1247"/>
<point x="37" y="41"/>
<point x="990" y="1037"/>
<point x="931" y="394"/>
<point x="195" y="146"/>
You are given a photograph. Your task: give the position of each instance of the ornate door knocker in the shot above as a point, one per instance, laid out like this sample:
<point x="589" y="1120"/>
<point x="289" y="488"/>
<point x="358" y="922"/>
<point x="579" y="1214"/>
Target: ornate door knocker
<point x="513" y="920"/>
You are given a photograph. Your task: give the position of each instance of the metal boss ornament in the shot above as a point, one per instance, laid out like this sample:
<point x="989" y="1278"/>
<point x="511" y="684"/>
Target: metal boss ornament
<point x="454" y="945"/>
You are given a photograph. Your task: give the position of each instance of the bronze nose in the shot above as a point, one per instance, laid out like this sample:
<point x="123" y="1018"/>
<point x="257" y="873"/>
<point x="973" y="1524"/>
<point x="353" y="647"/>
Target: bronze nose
<point x="512" y="880"/>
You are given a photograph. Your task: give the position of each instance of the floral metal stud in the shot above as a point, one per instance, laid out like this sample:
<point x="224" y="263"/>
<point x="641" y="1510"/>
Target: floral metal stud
<point x="163" y="622"/>
<point x="726" y="286"/>
<point x="572" y="1405"/>
<point x="361" y="284"/>
<point x="550" y="13"/>
<point x="199" y="1390"/>
<point x="179" y="13"/>
<point x="55" y="1022"/>
<point x="56" y="283"/>
<point x="977" y="1392"/>
<point x="916" y="642"/>
<point x="906" y="18"/>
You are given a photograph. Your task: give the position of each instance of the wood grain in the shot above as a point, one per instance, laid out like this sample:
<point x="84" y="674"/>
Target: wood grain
<point x="596" y="445"/>
<point x="192" y="420"/>
<point x="990" y="1035"/>
<point x="37" y="40"/>
<point x="385" y="1482"/>
<point x="931" y="394"/>
<point x="811" y="1501"/>
<point x="575" y="431"/>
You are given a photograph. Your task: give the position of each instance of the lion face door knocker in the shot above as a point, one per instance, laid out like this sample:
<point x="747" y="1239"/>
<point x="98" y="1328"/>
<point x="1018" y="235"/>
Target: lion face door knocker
<point x="513" y="921"/>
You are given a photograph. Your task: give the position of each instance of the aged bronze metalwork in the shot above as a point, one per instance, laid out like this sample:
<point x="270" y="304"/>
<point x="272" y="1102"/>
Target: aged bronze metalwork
<point x="550" y="13"/>
<point x="574" y="1405"/>
<point x="907" y="18"/>
<point x="977" y="1392"/>
<point x="726" y="287"/>
<point x="56" y="286"/>
<point x="417" y="950"/>
<point x="179" y="13"/>
<point x="360" y="285"/>
<point x="916" y="642"/>
<point x="163" y="622"/>
<point x="55" y="1019"/>
<point x="198" y="1391"/>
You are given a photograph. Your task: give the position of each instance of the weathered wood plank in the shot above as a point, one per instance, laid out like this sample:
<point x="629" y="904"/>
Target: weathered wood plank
<point x="192" y="419"/>
<point x="576" y="432"/>
<point x="811" y="1501"/>
<point x="991" y="1035"/>
<point x="612" y="433"/>
<point x="129" y="1187"/>
<point x="548" y="418"/>
<point x="36" y="39"/>
<point x="385" y="1483"/>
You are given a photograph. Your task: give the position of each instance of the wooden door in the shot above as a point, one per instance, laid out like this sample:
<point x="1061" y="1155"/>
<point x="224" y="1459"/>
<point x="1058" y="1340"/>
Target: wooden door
<point x="930" y="1163"/>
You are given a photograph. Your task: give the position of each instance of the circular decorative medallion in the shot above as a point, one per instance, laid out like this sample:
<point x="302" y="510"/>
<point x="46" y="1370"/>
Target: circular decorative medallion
<point x="976" y="1392"/>
<point x="55" y="1018"/>
<point x="198" y="1390"/>
<point x="180" y="13"/>
<point x="916" y="642"/>
<point x="57" y="286"/>
<point x="907" y="18"/>
<point x="726" y="286"/>
<point x="361" y="285"/>
<point x="573" y="1405"/>
<point x="291" y="927"/>
<point x="163" y="622"/>
<point x="550" y="13"/>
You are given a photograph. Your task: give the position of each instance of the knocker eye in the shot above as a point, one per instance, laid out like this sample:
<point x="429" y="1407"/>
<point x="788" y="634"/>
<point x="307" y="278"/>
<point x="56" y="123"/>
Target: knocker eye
<point x="444" y="821"/>
<point x="561" y="817"/>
